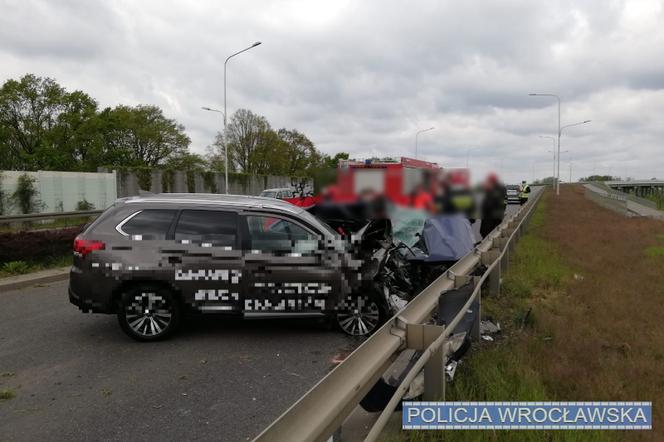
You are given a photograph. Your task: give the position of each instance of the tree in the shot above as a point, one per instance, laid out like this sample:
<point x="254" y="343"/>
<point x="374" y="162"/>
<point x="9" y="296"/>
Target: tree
<point x="599" y="178"/>
<point x="300" y="152"/>
<point x="140" y="136"/>
<point x="41" y="124"/>
<point x="186" y="161"/>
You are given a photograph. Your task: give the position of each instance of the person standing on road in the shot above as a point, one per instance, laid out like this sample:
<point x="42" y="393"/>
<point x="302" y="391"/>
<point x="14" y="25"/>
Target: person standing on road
<point x="525" y="192"/>
<point x="493" y="205"/>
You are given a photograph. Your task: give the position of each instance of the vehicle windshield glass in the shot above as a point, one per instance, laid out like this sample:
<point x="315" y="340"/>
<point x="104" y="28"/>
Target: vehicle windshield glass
<point x="269" y="194"/>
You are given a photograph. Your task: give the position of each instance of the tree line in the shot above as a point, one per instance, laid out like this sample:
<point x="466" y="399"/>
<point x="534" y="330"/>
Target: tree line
<point x="45" y="127"/>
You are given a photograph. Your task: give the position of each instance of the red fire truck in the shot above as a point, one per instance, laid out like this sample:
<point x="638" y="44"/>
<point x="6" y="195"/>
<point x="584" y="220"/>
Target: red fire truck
<point x="396" y="179"/>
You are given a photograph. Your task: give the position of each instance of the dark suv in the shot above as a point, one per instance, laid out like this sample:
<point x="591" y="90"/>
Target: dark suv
<point x="151" y="258"/>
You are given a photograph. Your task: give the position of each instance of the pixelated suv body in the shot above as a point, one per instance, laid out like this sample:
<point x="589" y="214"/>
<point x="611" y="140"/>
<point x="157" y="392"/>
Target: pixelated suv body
<point x="150" y="259"/>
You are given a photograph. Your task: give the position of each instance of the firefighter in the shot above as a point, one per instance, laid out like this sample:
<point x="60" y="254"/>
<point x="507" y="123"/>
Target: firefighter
<point x="493" y="204"/>
<point x="525" y="192"/>
<point x="457" y="196"/>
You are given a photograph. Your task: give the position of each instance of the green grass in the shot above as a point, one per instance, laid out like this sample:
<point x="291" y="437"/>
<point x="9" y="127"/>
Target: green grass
<point x="504" y="370"/>
<point x="655" y="251"/>
<point x="7" y="394"/>
<point x="14" y="268"/>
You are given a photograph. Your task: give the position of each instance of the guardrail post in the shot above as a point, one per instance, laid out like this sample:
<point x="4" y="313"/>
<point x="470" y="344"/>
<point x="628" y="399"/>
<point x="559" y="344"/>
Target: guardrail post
<point x="489" y="258"/>
<point x="420" y="337"/>
<point x="475" y="331"/>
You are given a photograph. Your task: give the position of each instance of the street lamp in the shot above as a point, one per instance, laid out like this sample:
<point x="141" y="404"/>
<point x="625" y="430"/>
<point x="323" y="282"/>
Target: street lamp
<point x="561" y="131"/>
<point x="557" y="178"/>
<point x="554" y="153"/>
<point x="557" y="98"/>
<point x="224" y="112"/>
<point x="418" y="134"/>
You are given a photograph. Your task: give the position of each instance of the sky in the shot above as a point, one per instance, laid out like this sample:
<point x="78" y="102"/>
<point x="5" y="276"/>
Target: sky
<point x="364" y="76"/>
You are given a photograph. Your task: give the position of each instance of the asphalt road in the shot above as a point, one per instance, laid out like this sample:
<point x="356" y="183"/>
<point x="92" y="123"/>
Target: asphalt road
<point x="78" y="377"/>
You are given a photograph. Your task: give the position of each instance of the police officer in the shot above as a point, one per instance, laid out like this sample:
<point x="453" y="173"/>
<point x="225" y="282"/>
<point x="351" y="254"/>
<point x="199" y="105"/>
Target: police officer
<point x="525" y="192"/>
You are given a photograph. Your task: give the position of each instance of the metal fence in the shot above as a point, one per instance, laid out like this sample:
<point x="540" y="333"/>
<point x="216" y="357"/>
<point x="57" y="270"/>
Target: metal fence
<point x="322" y="411"/>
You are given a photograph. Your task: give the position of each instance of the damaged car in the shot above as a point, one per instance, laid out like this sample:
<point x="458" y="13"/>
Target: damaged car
<point x="151" y="259"/>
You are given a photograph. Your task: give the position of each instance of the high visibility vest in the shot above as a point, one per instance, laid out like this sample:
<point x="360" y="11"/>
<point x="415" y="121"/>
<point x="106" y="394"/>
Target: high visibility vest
<point x="525" y="192"/>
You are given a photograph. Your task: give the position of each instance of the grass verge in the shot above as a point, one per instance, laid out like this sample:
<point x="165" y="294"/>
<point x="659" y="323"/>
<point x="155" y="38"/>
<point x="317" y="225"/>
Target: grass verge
<point x="552" y="346"/>
<point x="14" y="268"/>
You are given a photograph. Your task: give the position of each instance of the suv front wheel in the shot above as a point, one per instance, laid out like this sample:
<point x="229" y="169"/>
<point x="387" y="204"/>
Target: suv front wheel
<point x="360" y="316"/>
<point x="148" y="313"/>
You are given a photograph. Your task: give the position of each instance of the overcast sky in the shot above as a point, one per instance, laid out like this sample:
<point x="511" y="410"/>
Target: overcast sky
<point x="365" y="76"/>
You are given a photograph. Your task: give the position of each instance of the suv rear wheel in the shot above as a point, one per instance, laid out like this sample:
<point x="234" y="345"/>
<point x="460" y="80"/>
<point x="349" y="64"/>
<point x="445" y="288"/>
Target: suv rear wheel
<point x="148" y="313"/>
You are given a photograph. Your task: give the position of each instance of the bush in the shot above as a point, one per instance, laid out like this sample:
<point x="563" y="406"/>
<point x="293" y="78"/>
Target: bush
<point x="84" y="205"/>
<point x="26" y="196"/>
<point x="36" y="245"/>
<point x="15" y="267"/>
<point x="2" y="197"/>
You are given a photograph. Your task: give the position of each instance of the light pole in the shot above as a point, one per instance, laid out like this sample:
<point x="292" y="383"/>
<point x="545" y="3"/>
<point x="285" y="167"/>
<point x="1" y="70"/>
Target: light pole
<point x="418" y="134"/>
<point x="224" y="112"/>
<point x="560" y="130"/>
<point x="554" y="154"/>
<point x="557" y="98"/>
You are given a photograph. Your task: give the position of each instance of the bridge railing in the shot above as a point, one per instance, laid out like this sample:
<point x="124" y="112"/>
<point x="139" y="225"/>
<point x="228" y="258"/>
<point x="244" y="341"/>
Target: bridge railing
<point x="321" y="412"/>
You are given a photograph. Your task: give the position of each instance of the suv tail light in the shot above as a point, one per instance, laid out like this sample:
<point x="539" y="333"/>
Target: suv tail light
<point x="85" y="246"/>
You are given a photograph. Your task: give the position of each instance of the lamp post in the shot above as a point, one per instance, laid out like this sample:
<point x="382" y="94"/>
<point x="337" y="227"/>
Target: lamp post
<point x="560" y="129"/>
<point x="557" y="98"/>
<point x="418" y="134"/>
<point x="224" y="111"/>
<point x="554" y="153"/>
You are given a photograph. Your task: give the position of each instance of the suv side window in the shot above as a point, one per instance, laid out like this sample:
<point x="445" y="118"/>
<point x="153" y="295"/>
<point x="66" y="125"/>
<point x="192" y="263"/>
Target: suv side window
<point x="149" y="223"/>
<point x="268" y="233"/>
<point x="213" y="226"/>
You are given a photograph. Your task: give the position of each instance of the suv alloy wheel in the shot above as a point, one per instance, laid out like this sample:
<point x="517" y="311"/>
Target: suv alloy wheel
<point x="148" y="313"/>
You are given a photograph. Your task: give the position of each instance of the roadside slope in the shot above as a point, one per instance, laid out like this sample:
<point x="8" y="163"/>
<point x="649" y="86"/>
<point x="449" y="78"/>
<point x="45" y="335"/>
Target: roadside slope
<point x="581" y="310"/>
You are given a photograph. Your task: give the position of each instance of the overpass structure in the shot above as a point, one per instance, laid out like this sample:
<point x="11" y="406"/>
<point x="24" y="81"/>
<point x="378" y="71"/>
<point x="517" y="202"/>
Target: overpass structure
<point x="640" y="188"/>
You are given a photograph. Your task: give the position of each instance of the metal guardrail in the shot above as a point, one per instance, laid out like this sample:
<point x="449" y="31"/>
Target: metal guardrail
<point x="46" y="216"/>
<point x="608" y="200"/>
<point x="619" y="193"/>
<point x="324" y="408"/>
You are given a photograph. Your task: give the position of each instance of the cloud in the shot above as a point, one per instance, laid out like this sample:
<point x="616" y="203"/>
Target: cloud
<point x="364" y="76"/>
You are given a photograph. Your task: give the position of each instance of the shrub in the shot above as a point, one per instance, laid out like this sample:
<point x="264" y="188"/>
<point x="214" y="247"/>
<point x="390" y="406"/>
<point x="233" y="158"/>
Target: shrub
<point x="144" y="178"/>
<point x="210" y="183"/>
<point x="168" y="180"/>
<point x="191" y="181"/>
<point x="15" y="267"/>
<point x="85" y="205"/>
<point x="26" y="196"/>
<point x="37" y="244"/>
<point x="2" y="197"/>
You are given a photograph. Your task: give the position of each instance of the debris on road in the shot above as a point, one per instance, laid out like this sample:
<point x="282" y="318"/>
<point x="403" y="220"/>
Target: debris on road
<point x="487" y="327"/>
<point x="450" y="369"/>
